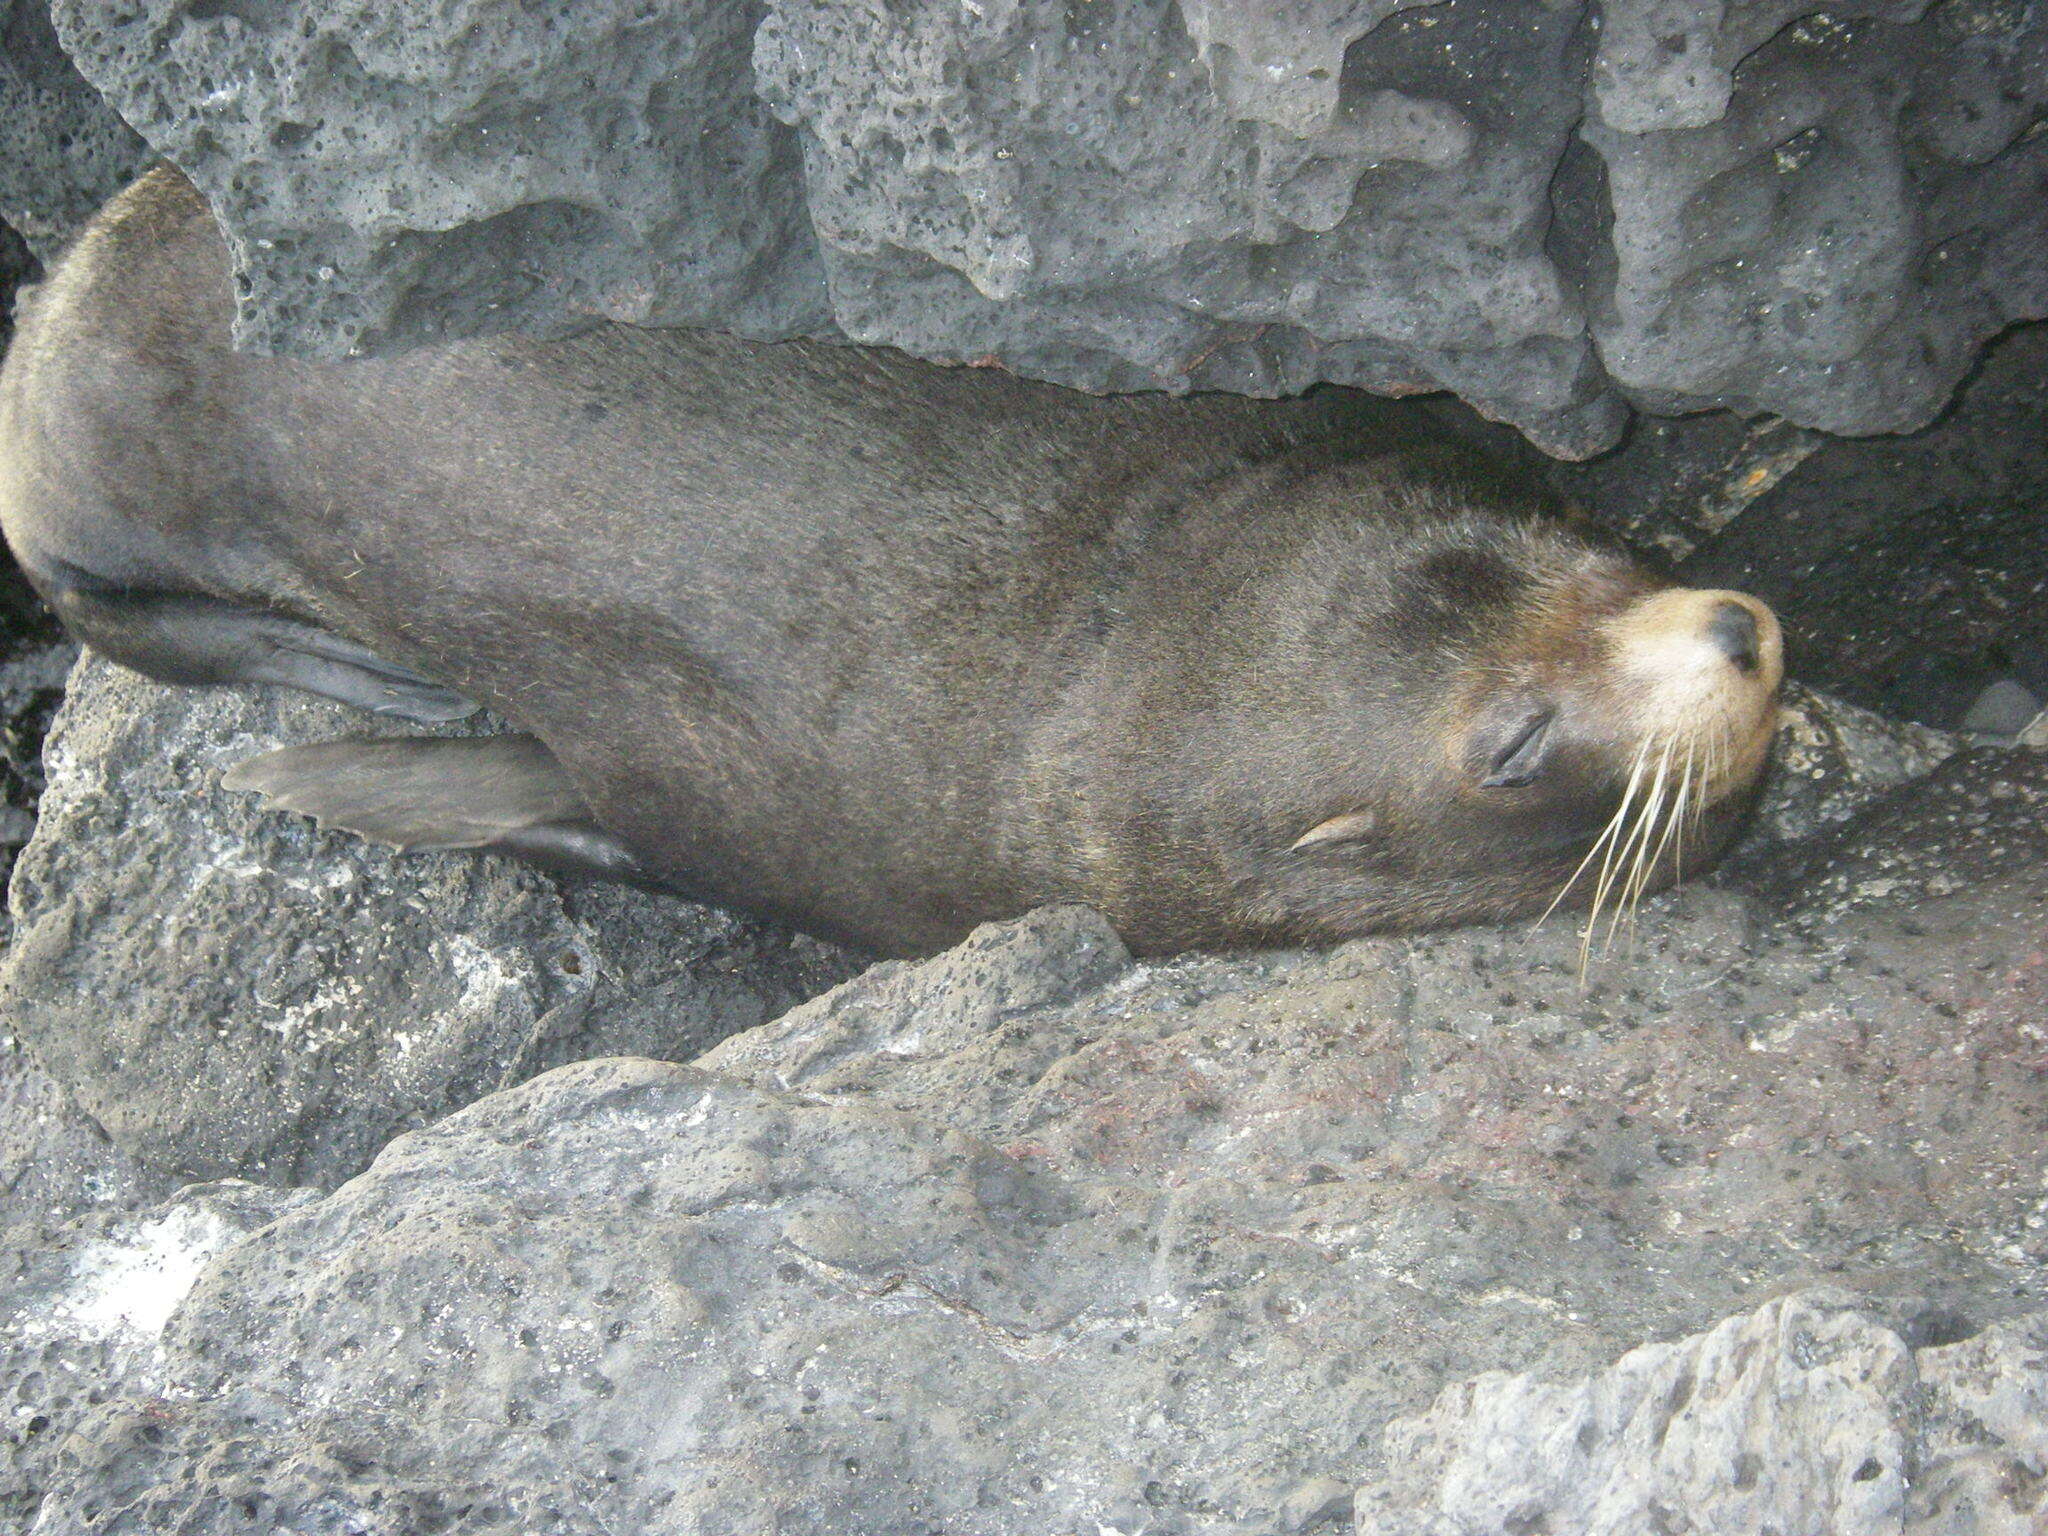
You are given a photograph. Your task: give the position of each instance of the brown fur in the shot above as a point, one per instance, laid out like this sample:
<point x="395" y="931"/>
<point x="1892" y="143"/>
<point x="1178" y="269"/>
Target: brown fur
<point x="880" y="648"/>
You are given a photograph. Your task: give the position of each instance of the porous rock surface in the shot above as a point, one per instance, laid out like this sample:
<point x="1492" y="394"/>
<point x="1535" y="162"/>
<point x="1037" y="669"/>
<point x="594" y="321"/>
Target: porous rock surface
<point x="35" y="660"/>
<point x="56" y="1161"/>
<point x="1975" y="815"/>
<point x="83" y="1308"/>
<point x="228" y="993"/>
<point x="1805" y="1415"/>
<point x="388" y="174"/>
<point x="1032" y="1237"/>
<point x="1553" y="210"/>
<point x="1829" y="761"/>
<point x="63" y="151"/>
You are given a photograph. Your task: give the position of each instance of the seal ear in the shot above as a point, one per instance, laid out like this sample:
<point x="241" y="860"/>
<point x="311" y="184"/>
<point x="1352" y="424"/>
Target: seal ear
<point x="1347" y="828"/>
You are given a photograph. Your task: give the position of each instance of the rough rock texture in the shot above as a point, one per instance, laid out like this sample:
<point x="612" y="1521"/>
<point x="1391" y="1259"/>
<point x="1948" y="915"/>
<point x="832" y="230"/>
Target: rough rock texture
<point x="1911" y="573"/>
<point x="390" y="174"/>
<point x="55" y="1161"/>
<point x="82" y="1313"/>
<point x="1830" y="760"/>
<point x="1031" y="1238"/>
<point x="229" y="993"/>
<point x="1803" y="202"/>
<point x="17" y="266"/>
<point x="63" y="151"/>
<point x="1133" y="195"/>
<point x="1976" y="816"/>
<point x="1765" y="205"/>
<point x="37" y="660"/>
<point x="1804" y="1415"/>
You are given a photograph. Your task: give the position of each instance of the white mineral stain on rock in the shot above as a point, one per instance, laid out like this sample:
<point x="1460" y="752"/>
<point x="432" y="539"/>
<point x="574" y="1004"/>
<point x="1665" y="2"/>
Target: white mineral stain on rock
<point x="333" y="1005"/>
<point x="483" y="975"/>
<point x="132" y="1281"/>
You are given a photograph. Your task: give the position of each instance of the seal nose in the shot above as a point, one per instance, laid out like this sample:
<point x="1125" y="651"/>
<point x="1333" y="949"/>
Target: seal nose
<point x="1734" y="634"/>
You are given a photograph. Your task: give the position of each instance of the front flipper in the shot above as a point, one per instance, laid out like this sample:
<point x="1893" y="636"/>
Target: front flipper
<point x="497" y="794"/>
<point x="195" y="640"/>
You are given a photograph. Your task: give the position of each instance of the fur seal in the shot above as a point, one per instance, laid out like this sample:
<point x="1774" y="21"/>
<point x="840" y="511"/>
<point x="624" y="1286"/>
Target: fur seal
<point x="879" y="648"/>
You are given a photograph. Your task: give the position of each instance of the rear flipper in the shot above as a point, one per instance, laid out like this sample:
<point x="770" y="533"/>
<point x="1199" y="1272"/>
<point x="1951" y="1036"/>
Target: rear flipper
<point x="189" y="638"/>
<point x="497" y="794"/>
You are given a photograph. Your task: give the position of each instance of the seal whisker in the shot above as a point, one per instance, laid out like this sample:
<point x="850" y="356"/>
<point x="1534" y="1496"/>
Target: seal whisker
<point x="1622" y="829"/>
<point x="1688" y="810"/>
<point x="1607" y="832"/>
<point x="1655" y="815"/>
<point x="1672" y="828"/>
<point x="1639" y="840"/>
<point x="1717" y="756"/>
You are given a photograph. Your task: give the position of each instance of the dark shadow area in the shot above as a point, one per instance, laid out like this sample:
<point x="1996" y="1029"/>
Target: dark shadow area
<point x="28" y="631"/>
<point x="1911" y="572"/>
<point x="17" y="266"/>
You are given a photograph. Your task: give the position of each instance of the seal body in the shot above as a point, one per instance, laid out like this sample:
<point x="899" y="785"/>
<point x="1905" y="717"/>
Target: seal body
<point x="880" y="648"/>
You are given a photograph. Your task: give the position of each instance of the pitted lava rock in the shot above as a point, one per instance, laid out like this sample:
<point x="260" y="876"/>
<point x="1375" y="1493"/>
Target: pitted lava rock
<point x="229" y="993"/>
<point x="1030" y="1237"/>
<point x="1556" y="212"/>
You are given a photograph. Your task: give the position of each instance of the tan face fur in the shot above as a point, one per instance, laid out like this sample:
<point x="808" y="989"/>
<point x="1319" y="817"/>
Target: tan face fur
<point x="1677" y="691"/>
<point x="1693" y="684"/>
<point x="1696" y="675"/>
<point x="1597" y="742"/>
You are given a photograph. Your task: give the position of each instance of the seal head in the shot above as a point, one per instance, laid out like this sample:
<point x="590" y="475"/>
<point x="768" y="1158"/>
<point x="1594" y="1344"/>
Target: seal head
<point x="1492" y="718"/>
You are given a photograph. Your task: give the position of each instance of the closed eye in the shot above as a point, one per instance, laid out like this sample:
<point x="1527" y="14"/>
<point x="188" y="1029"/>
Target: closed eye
<point x="1521" y="760"/>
